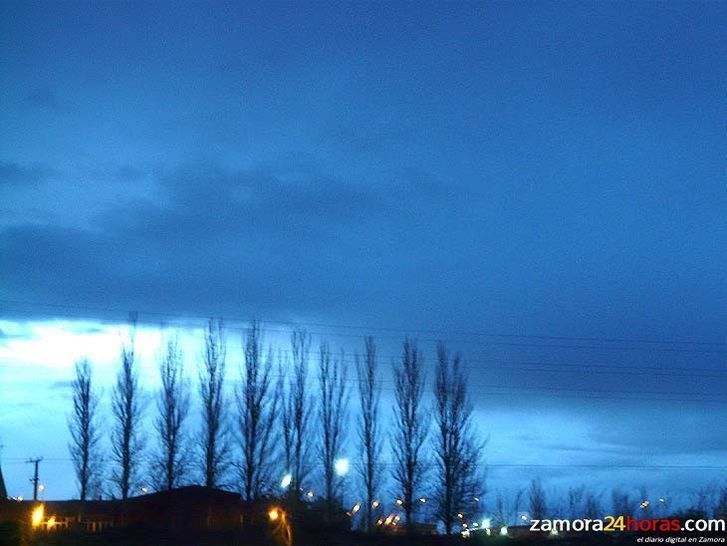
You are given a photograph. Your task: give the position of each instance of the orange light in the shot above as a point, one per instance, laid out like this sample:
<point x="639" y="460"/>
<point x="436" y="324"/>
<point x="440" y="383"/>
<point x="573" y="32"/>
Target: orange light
<point x="274" y="514"/>
<point x="37" y="516"/>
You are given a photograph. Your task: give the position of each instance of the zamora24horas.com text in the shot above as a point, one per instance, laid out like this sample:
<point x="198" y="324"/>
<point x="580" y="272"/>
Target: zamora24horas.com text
<point x="612" y="523"/>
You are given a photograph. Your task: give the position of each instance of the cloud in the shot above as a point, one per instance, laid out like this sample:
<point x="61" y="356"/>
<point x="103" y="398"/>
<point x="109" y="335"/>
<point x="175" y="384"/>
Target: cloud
<point x="215" y="239"/>
<point x="61" y="385"/>
<point x="17" y="175"/>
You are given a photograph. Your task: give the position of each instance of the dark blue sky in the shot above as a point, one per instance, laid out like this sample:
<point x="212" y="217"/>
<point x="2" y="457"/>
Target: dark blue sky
<point x="530" y="169"/>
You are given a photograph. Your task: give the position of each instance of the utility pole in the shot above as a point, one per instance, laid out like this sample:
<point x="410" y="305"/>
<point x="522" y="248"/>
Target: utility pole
<point x="34" y="479"/>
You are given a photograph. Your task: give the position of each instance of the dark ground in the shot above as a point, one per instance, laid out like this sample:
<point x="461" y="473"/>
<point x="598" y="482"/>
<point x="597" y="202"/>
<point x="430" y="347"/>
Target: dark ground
<point x="13" y="535"/>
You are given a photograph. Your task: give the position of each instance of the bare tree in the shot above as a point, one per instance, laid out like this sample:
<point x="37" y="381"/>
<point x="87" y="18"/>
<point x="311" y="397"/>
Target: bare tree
<point x="644" y="504"/>
<point x="536" y="496"/>
<point x="369" y="428"/>
<point x="126" y="408"/>
<point x="214" y="439"/>
<point x="85" y="435"/>
<point x="517" y="503"/>
<point x="575" y="501"/>
<point x="257" y="405"/>
<point x="457" y="451"/>
<point x="720" y="510"/>
<point x="171" y="464"/>
<point x="622" y="503"/>
<point x="592" y="508"/>
<point x="297" y="407"/>
<point x="410" y="430"/>
<point x="333" y="412"/>
<point x="500" y="515"/>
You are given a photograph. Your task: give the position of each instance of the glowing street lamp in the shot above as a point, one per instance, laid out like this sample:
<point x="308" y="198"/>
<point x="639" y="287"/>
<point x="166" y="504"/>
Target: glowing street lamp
<point x="341" y="466"/>
<point x="36" y="517"/>
<point x="287" y="479"/>
<point x="282" y="528"/>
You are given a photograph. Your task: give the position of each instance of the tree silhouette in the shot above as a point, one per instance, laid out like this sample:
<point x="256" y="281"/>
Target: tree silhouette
<point x="410" y="430"/>
<point x="85" y="434"/>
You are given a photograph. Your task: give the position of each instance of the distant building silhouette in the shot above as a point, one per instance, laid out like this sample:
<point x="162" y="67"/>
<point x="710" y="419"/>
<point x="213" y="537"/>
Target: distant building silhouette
<point x="193" y="507"/>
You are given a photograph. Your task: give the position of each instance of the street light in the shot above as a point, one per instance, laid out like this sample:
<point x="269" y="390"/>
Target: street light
<point x="341" y="466"/>
<point x="287" y="479"/>
<point x="36" y="517"/>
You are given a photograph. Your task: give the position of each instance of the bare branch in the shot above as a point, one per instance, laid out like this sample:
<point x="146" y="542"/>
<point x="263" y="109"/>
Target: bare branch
<point x="126" y="408"/>
<point x="85" y="434"/>
<point x="457" y="451"/>
<point x="172" y="461"/>
<point x="214" y="440"/>
<point x="410" y="430"/>
<point x="369" y="431"/>
<point x="333" y="409"/>
<point x="257" y="405"/>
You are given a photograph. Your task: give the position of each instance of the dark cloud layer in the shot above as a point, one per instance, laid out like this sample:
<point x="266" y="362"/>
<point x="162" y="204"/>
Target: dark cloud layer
<point x="243" y="239"/>
<point x="14" y="174"/>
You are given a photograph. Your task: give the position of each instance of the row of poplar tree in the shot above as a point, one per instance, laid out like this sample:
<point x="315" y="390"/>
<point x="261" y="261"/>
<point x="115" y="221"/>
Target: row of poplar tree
<point x="277" y="396"/>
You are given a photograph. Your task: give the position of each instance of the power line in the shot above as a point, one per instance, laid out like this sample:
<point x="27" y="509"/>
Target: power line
<point x="499" y="465"/>
<point x="408" y="331"/>
<point x="506" y="364"/>
<point x="631" y="369"/>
